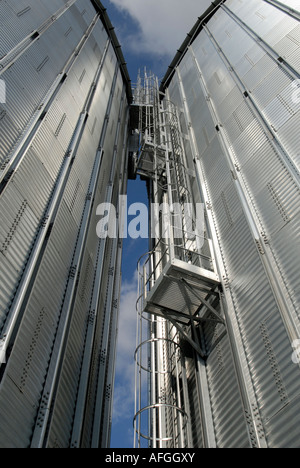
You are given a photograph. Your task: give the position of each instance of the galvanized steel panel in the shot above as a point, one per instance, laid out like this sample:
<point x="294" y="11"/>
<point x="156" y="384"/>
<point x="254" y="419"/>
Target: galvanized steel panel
<point x="61" y="426"/>
<point x="272" y="85"/>
<point x="75" y="196"/>
<point x="287" y="419"/>
<point x="230" y="427"/>
<point x="228" y="207"/>
<point x="241" y="147"/>
<point x="52" y="276"/>
<point x="72" y="34"/>
<point x="28" y="363"/>
<point x="249" y="58"/>
<point x="48" y="149"/>
<point x="230" y="103"/>
<point x="20" y="102"/>
<point x="66" y="102"/>
<point x="38" y="67"/>
<point x="278" y="28"/>
<point x="78" y="94"/>
<point x="282" y="108"/>
<point x="15" y="406"/>
<point x="259" y="72"/>
<point x="61" y="121"/>
<point x="8" y="135"/>
<point x="275" y="377"/>
<point x="64" y="234"/>
<point x="289" y="44"/>
<point x="9" y="276"/>
<point x="85" y="158"/>
<point x="12" y="23"/>
<point x="110" y="63"/>
<point x="269" y="182"/>
<point x="35" y="183"/>
<point x="174" y="91"/>
<point x="289" y="137"/>
<point x="270" y="189"/>
<point x="100" y="36"/>
<point x="274" y="26"/>
<point x="84" y="12"/>
<point x="251" y="290"/>
<point x="27" y="195"/>
<point x="294" y="4"/>
<point x="21" y="18"/>
<point x="44" y="59"/>
<point x="217" y="171"/>
<point x="84" y="70"/>
<point x="287" y="257"/>
<point x="17" y="229"/>
<point x="238" y="122"/>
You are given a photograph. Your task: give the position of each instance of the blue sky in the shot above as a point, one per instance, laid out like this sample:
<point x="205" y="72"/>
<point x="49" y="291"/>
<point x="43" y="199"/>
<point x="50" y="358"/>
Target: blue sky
<point x="150" y="32"/>
<point x="128" y="30"/>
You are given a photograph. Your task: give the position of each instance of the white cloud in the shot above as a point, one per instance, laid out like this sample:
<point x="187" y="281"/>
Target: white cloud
<point x="163" y="24"/>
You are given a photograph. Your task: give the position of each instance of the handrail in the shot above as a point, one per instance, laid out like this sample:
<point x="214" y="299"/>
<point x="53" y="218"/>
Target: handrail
<point x="153" y="407"/>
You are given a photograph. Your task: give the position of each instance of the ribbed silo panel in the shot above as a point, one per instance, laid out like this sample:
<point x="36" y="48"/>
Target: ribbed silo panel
<point x="239" y="96"/>
<point x="51" y="126"/>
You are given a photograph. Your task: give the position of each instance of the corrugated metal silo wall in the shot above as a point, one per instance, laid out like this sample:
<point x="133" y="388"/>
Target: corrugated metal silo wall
<point x="240" y="79"/>
<point x="62" y="136"/>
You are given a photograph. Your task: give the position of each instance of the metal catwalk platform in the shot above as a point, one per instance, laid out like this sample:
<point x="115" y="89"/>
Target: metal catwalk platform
<point x="184" y="294"/>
